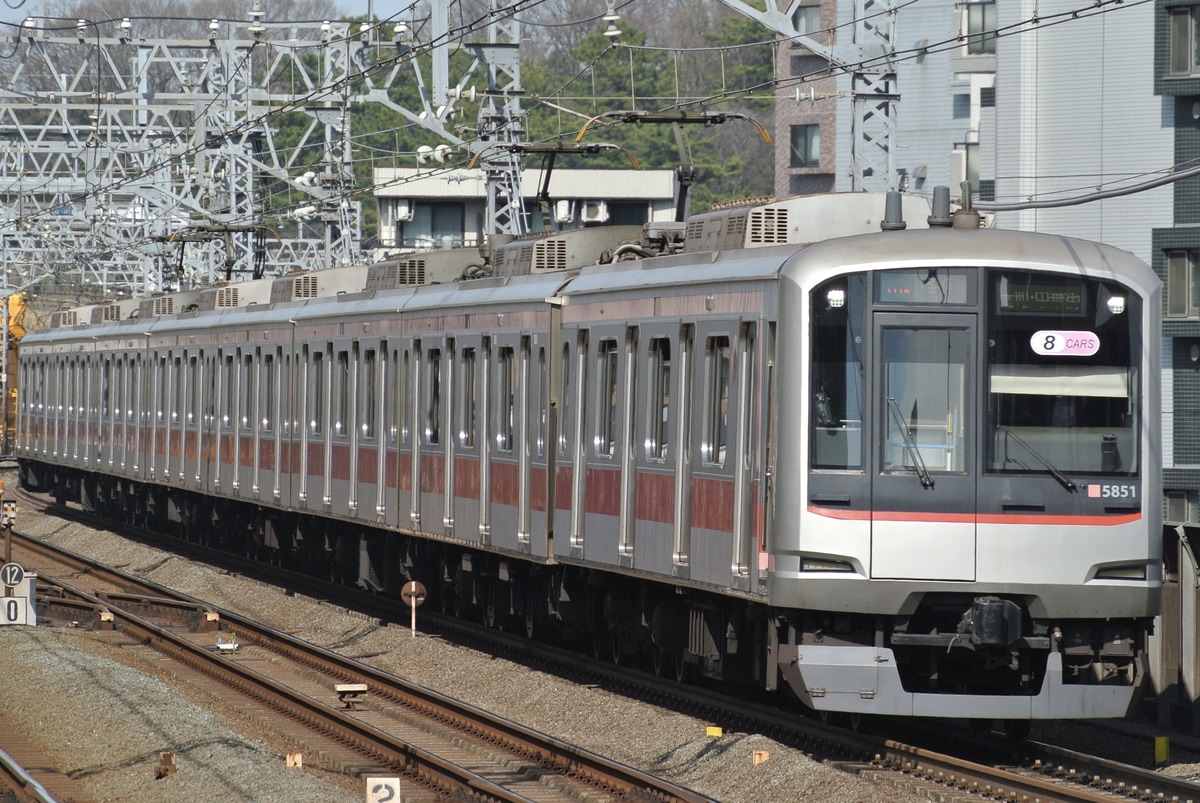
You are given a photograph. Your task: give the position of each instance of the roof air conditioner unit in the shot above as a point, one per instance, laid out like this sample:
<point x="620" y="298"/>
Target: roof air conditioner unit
<point x="595" y="212"/>
<point x="564" y="211"/>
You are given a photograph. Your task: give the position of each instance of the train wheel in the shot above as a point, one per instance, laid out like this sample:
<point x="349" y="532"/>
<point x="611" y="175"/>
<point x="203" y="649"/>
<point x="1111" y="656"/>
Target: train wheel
<point x="601" y="645"/>
<point x="683" y="670"/>
<point x="658" y="660"/>
<point x="616" y="648"/>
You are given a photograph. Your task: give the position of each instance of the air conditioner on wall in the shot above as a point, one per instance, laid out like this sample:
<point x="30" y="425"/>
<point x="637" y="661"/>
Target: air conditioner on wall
<point x="564" y="211"/>
<point x="595" y="211"/>
<point x="404" y="210"/>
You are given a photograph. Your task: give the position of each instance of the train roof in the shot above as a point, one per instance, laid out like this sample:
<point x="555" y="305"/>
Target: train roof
<point x="953" y="247"/>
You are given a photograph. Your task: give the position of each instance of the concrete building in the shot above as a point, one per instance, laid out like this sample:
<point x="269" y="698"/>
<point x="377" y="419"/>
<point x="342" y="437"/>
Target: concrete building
<point x="421" y="208"/>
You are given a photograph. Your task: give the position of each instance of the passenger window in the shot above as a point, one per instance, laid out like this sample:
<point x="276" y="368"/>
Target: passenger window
<point x="433" y="399"/>
<point x="659" y="420"/>
<point x="246" y="390"/>
<point x="564" y="402"/>
<point x="606" y="378"/>
<point x="543" y="387"/>
<point x="341" y="395"/>
<point x="316" y="423"/>
<point x="716" y="400"/>
<point x="466" y="436"/>
<point x="369" y="390"/>
<point x="507" y="373"/>
<point x="266" y="396"/>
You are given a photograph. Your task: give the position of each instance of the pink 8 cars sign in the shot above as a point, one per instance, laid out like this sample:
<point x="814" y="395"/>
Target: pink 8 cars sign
<point x="1065" y="344"/>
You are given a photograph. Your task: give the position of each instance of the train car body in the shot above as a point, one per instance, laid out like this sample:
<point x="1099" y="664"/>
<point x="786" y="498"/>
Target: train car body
<point x="903" y="472"/>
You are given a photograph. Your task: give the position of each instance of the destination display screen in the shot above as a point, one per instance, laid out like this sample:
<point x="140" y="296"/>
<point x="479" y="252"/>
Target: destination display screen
<point x="937" y="286"/>
<point x="1041" y="299"/>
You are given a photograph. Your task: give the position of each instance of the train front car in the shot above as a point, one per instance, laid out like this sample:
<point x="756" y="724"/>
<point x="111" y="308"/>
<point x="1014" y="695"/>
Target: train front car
<point x="967" y="514"/>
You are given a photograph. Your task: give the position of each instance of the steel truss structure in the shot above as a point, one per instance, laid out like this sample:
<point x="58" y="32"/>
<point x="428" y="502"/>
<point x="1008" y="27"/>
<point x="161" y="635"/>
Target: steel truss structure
<point x="134" y="165"/>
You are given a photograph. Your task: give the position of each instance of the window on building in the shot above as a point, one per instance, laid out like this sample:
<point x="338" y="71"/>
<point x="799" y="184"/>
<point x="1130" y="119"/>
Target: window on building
<point x="1178" y="509"/>
<point x="806" y="145"/>
<point x="987" y="97"/>
<point x="432" y="224"/>
<point x="1183" y="289"/>
<point x="981" y="28"/>
<point x="962" y="106"/>
<point x="807" y="20"/>
<point x="1184" y="58"/>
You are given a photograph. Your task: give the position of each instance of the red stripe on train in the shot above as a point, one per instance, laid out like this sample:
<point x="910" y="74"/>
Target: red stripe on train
<point x="969" y="518"/>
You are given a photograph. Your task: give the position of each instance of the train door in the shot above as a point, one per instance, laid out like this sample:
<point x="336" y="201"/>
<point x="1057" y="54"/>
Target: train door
<point x="156" y="390"/>
<point x="189" y="447"/>
<point x="125" y="402"/>
<point x="174" y="456"/>
<point x="341" y="463"/>
<point x="524" y="448"/>
<point x="468" y="407"/>
<point x="372" y="371"/>
<point x="245" y="434"/>
<point x="443" y="390"/>
<point x="414" y="367"/>
<point x="923" y="482"/>
<point x="681" y="548"/>
<point x="207" y="420"/>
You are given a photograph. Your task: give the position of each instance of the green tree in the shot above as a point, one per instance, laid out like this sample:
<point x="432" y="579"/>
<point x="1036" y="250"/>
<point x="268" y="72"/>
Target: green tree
<point x="599" y="76"/>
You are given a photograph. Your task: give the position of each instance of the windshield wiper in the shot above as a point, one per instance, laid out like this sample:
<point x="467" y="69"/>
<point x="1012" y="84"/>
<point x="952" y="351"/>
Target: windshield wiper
<point x="1066" y="481"/>
<point x="909" y="446"/>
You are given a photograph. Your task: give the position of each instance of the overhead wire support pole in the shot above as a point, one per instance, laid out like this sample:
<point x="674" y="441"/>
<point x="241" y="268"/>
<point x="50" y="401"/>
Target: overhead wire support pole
<point x="500" y="123"/>
<point x="868" y="62"/>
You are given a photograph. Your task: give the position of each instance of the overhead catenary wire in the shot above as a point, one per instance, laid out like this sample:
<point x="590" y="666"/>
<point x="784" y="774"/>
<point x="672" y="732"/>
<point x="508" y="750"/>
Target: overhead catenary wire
<point x="325" y="93"/>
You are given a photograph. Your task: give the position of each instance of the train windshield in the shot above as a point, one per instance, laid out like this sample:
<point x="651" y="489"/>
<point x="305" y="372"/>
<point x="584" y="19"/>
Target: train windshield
<point x="1061" y="375"/>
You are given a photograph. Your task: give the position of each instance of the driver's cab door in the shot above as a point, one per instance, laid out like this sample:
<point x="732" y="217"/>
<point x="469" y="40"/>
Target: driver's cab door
<point x="923" y="466"/>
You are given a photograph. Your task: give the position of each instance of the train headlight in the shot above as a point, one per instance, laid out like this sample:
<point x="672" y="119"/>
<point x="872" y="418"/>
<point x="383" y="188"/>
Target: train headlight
<point x="1134" y="571"/>
<point x="836" y="297"/>
<point x="824" y="565"/>
<point x="1116" y="304"/>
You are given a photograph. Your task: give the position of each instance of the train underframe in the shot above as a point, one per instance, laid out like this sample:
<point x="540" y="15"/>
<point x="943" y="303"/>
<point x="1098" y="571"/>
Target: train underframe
<point x="951" y="646"/>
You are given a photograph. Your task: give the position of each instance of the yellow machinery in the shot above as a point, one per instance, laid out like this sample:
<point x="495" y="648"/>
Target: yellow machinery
<point x="15" y="320"/>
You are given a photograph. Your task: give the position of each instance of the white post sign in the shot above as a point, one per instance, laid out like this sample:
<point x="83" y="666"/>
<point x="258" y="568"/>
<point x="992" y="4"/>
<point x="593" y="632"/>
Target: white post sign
<point x="383" y="790"/>
<point x="414" y="594"/>
<point x="18" y="590"/>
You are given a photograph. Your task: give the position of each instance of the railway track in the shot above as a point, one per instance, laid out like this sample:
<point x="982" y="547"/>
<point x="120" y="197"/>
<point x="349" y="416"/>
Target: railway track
<point x="365" y="722"/>
<point x="1027" y="772"/>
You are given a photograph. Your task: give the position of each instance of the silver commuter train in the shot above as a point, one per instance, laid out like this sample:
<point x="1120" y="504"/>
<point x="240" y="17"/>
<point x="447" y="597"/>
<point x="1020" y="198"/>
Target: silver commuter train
<point x="904" y="472"/>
